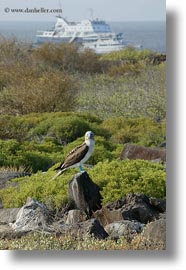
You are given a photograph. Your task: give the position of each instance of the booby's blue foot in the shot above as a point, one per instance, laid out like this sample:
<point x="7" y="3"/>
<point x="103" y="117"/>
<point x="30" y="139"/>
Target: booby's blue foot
<point x="81" y="169"/>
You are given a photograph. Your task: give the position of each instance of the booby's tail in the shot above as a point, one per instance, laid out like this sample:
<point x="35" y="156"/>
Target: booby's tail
<point x="58" y="174"/>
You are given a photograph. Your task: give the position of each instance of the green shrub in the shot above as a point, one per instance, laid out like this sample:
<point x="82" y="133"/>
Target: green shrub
<point x="32" y="156"/>
<point x="129" y="54"/>
<point x="62" y="126"/>
<point x="143" y="131"/>
<point x="65" y="127"/>
<point x="118" y="178"/>
<point x="68" y="57"/>
<point x="17" y="127"/>
<point x="9" y="153"/>
<point x="33" y="91"/>
<point x="39" y="186"/>
<point x="35" y="156"/>
<point x="115" y="178"/>
<point x="37" y="141"/>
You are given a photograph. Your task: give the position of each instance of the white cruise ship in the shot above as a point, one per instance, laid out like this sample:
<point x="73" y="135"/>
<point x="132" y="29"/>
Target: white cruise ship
<point x="92" y="34"/>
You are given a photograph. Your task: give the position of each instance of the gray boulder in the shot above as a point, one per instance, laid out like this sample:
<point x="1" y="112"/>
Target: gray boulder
<point x="154" y="234"/>
<point x="84" y="193"/>
<point x="124" y="228"/>
<point x="8" y="215"/>
<point x="132" y="151"/>
<point x="33" y="216"/>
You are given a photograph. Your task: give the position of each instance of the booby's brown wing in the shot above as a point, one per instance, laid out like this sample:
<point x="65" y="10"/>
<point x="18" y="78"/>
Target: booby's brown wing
<point x="75" y="156"/>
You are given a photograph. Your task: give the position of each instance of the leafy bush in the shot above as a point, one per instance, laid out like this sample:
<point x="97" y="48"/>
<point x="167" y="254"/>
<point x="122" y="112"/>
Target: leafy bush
<point x="63" y="56"/>
<point x="65" y="128"/>
<point x="35" y="156"/>
<point x="62" y="126"/>
<point x="31" y="156"/>
<point x="143" y="131"/>
<point x="68" y="57"/>
<point x="118" y="178"/>
<point x="130" y="55"/>
<point x="39" y="186"/>
<point x="37" y="141"/>
<point x="46" y="92"/>
<point x="17" y="127"/>
<point x="115" y="178"/>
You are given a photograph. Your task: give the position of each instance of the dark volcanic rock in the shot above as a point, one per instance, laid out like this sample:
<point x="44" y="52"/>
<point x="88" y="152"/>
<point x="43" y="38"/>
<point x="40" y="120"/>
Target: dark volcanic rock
<point x="156" y="59"/>
<point x="94" y="228"/>
<point x="132" y="207"/>
<point x="81" y="229"/>
<point x="159" y="204"/>
<point x="84" y="193"/>
<point x="137" y="207"/>
<point x="132" y="151"/>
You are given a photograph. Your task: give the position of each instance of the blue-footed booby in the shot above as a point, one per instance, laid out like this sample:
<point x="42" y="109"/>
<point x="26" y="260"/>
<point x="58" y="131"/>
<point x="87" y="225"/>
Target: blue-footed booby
<point x="79" y="155"/>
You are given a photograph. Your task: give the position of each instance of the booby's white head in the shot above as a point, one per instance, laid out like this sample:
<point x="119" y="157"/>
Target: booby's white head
<point x="89" y="135"/>
<point x="89" y="138"/>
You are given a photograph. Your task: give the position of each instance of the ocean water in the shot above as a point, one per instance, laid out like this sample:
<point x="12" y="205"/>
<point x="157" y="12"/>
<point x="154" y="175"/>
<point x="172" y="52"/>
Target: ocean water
<point x="151" y="35"/>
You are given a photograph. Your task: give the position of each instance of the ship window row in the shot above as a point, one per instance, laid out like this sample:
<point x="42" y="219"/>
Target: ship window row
<point x="108" y="44"/>
<point x="79" y="29"/>
<point x="84" y="28"/>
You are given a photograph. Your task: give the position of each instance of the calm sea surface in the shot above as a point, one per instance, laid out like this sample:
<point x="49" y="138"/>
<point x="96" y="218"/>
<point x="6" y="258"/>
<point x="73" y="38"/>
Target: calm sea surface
<point x="151" y="35"/>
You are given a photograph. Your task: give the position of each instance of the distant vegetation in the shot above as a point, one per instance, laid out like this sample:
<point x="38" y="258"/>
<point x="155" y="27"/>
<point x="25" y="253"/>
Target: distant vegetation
<point x="51" y="95"/>
<point x="55" y="78"/>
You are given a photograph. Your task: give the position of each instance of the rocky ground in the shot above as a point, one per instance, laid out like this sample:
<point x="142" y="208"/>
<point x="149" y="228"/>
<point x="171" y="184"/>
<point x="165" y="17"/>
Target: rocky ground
<point x="133" y="216"/>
